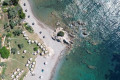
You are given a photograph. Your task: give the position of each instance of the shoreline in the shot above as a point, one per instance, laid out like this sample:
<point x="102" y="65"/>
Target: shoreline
<point x="46" y="31"/>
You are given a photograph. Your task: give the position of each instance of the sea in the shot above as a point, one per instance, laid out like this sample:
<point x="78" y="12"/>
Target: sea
<point x="95" y="56"/>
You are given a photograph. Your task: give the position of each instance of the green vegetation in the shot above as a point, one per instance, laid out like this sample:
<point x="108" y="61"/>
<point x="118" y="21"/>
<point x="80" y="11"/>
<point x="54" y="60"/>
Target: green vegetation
<point x="35" y="49"/>
<point x="14" y="2"/>
<point x="61" y="33"/>
<point x="4" y="52"/>
<point x="14" y="50"/>
<point x="17" y="32"/>
<point x="20" y="46"/>
<point x="8" y="34"/>
<point x="28" y="28"/>
<point x="5" y="3"/>
<point x="21" y="14"/>
<point x="0" y="42"/>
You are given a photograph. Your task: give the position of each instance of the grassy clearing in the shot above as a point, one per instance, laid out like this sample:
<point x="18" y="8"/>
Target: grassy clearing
<point x="16" y="60"/>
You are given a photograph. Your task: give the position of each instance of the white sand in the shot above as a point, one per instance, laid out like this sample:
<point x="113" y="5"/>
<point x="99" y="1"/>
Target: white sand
<point x="56" y="46"/>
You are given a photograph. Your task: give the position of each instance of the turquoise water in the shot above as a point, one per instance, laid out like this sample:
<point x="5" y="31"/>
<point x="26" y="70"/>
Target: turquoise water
<point x="98" y="56"/>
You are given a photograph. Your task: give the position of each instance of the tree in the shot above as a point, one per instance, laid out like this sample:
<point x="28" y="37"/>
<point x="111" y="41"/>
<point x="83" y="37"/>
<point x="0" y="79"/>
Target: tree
<point x="20" y="46"/>
<point x="0" y="41"/>
<point x="9" y="35"/>
<point x="14" y="2"/>
<point x="21" y="14"/>
<point x="61" y="33"/>
<point x="12" y="12"/>
<point x="6" y="25"/>
<point x="12" y="24"/>
<point x="13" y="50"/>
<point x="5" y="3"/>
<point x="17" y="32"/>
<point x="5" y="53"/>
<point x="35" y="49"/>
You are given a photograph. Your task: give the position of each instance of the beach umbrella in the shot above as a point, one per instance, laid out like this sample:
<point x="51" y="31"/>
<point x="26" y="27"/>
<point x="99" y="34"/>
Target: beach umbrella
<point x="17" y="76"/>
<point x="36" y="41"/>
<point x="12" y="76"/>
<point x="26" y="38"/>
<point x="27" y="65"/>
<point x="28" y="62"/>
<point x="32" y="41"/>
<point x="15" y="73"/>
<point x="31" y="69"/>
<point x="38" y="51"/>
<point x="18" y="69"/>
<point x="39" y="44"/>
<point x="33" y="63"/>
<point x="30" y="59"/>
<point x="24" y="51"/>
<point x="32" y="66"/>
<point x="22" y="71"/>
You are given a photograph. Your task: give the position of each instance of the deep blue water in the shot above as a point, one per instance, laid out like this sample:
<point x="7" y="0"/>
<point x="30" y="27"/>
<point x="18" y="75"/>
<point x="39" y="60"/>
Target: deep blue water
<point x="100" y="49"/>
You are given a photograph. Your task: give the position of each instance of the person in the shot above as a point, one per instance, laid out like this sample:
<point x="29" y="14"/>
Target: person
<point x="24" y="4"/>
<point x="26" y="10"/>
<point x="43" y="36"/>
<point x="28" y="16"/>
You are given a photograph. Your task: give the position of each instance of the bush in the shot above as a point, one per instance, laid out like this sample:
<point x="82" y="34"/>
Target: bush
<point x="20" y="46"/>
<point x="61" y="33"/>
<point x="5" y="3"/>
<point x="21" y="14"/>
<point x="28" y="28"/>
<point x="12" y="13"/>
<point x="14" y="2"/>
<point x="17" y="32"/>
<point x="0" y="41"/>
<point x="14" y="50"/>
<point x="12" y="24"/>
<point x="35" y="49"/>
<point x="5" y="53"/>
<point x="6" y="25"/>
<point x="9" y="35"/>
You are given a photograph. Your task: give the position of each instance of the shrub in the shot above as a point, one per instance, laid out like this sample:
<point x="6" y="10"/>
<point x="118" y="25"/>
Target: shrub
<point x="35" y="49"/>
<point x="12" y="24"/>
<point x="21" y="14"/>
<point x="12" y="12"/>
<point x="6" y="25"/>
<point x="4" y="52"/>
<point x="5" y="3"/>
<point x="17" y="32"/>
<point x="20" y="46"/>
<point x="9" y="35"/>
<point x="61" y="33"/>
<point x="28" y="28"/>
<point x="14" y="50"/>
<point x="0" y="41"/>
<point x="14" y="2"/>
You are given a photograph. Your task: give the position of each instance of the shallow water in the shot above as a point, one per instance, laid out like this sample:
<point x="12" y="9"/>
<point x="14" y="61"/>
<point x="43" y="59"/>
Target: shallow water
<point x="100" y="49"/>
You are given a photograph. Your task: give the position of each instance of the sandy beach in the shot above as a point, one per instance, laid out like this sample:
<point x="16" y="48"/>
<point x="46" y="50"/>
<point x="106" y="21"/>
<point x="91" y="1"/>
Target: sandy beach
<point x="48" y="41"/>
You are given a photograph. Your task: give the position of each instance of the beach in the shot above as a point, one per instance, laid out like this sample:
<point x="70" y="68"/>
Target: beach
<point x="41" y="70"/>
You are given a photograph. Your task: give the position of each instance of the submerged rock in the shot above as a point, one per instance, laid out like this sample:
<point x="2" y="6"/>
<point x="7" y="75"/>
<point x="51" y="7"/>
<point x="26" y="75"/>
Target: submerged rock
<point x="91" y="67"/>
